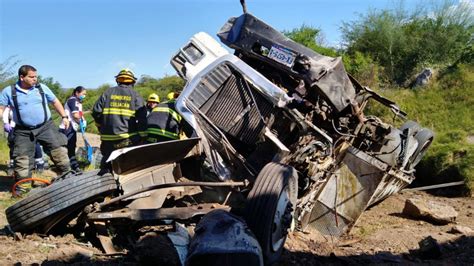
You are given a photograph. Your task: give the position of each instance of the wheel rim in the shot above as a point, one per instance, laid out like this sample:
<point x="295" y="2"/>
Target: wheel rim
<point x="281" y="220"/>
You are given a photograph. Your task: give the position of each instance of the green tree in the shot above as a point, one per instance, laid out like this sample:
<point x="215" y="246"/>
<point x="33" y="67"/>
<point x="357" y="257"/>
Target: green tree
<point x="55" y="86"/>
<point x="378" y="34"/>
<point x="308" y="36"/>
<point x="363" y="68"/>
<point x="402" y="42"/>
<point x="162" y="86"/>
<point x="8" y="71"/>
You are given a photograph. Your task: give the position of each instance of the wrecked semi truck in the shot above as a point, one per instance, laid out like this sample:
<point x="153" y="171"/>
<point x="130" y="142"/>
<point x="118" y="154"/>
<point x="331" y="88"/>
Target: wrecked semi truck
<point x="275" y="102"/>
<point x="277" y="135"/>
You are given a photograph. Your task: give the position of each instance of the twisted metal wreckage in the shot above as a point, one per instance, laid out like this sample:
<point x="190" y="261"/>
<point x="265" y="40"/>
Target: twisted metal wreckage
<point x="277" y="141"/>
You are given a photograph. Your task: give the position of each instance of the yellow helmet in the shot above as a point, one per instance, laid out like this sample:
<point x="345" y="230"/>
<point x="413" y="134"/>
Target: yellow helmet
<point x="125" y="76"/>
<point x="153" y="98"/>
<point x="171" y="96"/>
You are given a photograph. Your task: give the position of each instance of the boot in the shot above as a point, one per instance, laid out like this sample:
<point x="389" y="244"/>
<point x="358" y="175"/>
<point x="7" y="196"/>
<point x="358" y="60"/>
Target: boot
<point x="39" y="165"/>
<point x="77" y="170"/>
<point x="11" y="168"/>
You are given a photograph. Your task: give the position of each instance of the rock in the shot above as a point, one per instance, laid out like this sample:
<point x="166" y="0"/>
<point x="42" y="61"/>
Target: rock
<point x="423" y="78"/>
<point x="464" y="230"/>
<point x="429" y="248"/>
<point x="431" y="211"/>
<point x="470" y="140"/>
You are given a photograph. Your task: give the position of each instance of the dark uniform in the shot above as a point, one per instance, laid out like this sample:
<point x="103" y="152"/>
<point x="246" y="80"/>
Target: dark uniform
<point x="163" y="123"/>
<point x="121" y="117"/>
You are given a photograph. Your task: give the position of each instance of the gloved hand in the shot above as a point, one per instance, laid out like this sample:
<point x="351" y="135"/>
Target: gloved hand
<point x="7" y="127"/>
<point x="82" y="125"/>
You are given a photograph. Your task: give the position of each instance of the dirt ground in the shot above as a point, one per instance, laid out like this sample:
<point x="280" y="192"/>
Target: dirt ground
<point x="382" y="235"/>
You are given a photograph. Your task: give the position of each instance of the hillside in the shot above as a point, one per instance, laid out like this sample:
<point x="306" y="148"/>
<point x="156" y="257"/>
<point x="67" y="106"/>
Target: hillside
<point x="446" y="107"/>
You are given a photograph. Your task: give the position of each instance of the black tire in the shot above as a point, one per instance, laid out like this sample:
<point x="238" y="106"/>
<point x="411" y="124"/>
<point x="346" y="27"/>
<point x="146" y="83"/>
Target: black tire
<point x="275" y="189"/>
<point x="424" y="138"/>
<point x="44" y="208"/>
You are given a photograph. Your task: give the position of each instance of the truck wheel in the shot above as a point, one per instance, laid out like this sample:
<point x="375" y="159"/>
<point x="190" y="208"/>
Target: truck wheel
<point x="424" y="138"/>
<point x="415" y="127"/>
<point x="270" y="208"/>
<point x="46" y="207"/>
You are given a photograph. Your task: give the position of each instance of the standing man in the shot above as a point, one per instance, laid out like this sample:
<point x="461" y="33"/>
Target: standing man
<point x="32" y="117"/>
<point x="163" y="122"/>
<point x="73" y="109"/>
<point x="120" y="115"/>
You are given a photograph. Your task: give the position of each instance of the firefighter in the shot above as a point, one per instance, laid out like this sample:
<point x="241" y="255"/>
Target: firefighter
<point x="163" y="122"/>
<point x="172" y="96"/>
<point x="152" y="101"/>
<point x="120" y="116"/>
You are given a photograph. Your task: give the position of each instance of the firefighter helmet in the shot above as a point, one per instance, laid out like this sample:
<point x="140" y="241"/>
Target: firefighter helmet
<point x="172" y="95"/>
<point x="125" y="76"/>
<point x="154" y="98"/>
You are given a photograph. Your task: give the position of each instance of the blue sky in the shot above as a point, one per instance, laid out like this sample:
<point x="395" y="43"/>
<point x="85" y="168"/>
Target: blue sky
<point x="86" y="42"/>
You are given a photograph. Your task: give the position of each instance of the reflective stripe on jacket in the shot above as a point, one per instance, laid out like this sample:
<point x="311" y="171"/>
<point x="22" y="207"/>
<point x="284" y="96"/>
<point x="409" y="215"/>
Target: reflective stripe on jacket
<point x="164" y="121"/>
<point x="120" y="113"/>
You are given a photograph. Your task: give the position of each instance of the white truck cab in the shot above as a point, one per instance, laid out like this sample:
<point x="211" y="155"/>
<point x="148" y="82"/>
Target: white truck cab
<point x="198" y="53"/>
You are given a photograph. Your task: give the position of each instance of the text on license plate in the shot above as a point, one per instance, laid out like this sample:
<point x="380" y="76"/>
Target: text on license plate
<point x="282" y="55"/>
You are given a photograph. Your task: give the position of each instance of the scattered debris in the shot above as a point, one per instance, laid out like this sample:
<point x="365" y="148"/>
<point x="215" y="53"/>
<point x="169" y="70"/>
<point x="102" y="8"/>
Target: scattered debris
<point x="459" y="229"/>
<point x="430" y="211"/>
<point x="450" y="184"/>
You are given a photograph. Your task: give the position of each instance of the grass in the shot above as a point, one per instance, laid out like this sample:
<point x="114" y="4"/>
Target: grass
<point x="364" y="231"/>
<point x="447" y="107"/>
<point x="4" y="150"/>
<point x="6" y="202"/>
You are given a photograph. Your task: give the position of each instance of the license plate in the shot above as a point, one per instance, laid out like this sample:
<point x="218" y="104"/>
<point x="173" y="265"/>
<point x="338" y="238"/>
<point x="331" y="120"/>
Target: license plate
<point x="282" y="55"/>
